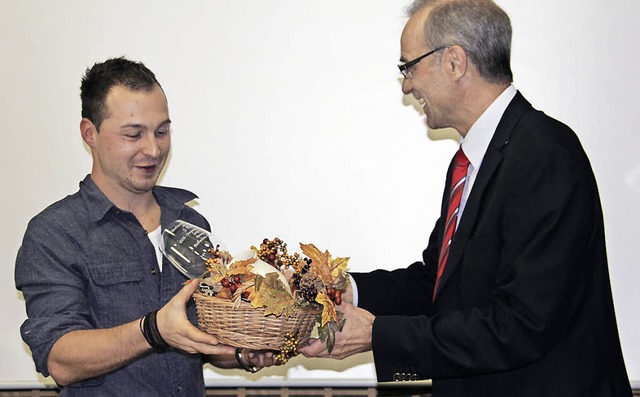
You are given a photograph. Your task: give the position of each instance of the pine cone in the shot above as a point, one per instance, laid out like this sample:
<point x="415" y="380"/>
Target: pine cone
<point x="310" y="284"/>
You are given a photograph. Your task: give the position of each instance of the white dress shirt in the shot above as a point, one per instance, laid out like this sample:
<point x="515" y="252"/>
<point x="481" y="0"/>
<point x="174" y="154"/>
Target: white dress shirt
<point x="476" y="143"/>
<point x="158" y="243"/>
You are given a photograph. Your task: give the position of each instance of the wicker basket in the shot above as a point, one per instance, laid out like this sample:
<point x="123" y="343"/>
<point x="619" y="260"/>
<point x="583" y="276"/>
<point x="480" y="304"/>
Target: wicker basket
<point x="242" y="325"/>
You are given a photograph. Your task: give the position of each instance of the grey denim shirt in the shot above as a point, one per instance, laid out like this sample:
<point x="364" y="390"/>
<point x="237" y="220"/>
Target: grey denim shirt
<point x="85" y="264"/>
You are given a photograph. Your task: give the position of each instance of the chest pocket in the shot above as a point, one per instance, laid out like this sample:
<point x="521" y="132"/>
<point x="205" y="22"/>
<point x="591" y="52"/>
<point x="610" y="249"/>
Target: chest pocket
<point x="116" y="293"/>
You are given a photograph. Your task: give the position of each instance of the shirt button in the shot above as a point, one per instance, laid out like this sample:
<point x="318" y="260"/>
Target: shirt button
<point x="154" y="271"/>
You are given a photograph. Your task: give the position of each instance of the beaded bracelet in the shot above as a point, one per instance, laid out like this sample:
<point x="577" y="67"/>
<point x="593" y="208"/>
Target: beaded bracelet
<point x="150" y="331"/>
<point x="243" y="364"/>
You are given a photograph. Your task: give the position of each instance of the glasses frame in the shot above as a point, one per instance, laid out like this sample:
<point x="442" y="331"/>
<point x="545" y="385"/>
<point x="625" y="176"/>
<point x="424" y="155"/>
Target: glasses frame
<point x="405" y="68"/>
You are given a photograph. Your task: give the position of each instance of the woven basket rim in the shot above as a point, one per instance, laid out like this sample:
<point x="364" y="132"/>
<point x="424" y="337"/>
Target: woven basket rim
<point x="316" y="307"/>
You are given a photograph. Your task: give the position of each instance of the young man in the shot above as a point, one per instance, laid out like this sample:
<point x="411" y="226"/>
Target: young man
<point x="107" y="315"/>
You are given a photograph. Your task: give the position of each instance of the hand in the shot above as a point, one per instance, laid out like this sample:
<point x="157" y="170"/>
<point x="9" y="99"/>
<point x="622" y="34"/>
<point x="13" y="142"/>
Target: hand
<point x="177" y="330"/>
<point x="354" y="338"/>
<point x="258" y="358"/>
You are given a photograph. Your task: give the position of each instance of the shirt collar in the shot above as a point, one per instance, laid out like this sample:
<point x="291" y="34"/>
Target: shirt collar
<point x="98" y="205"/>
<point x="477" y="141"/>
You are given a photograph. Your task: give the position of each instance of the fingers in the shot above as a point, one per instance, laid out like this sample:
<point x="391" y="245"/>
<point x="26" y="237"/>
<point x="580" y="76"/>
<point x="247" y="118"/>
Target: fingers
<point x="259" y="358"/>
<point x="314" y="348"/>
<point x="354" y="338"/>
<point x="216" y="350"/>
<point x="192" y="340"/>
<point x="177" y="330"/>
<point x="189" y="338"/>
<point x="193" y="334"/>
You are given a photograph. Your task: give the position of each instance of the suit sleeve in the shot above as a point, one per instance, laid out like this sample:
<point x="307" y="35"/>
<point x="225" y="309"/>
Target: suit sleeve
<point x="382" y="292"/>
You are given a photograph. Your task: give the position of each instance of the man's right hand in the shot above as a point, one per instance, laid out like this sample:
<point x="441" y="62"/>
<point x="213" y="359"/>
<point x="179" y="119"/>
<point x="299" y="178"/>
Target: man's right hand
<point x="176" y="329"/>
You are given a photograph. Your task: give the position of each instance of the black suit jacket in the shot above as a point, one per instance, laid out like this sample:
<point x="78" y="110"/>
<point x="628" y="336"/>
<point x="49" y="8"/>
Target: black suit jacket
<point x="524" y="307"/>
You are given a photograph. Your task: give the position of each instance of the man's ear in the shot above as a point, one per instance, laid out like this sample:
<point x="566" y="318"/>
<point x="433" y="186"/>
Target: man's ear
<point x="456" y="61"/>
<point x="88" y="132"/>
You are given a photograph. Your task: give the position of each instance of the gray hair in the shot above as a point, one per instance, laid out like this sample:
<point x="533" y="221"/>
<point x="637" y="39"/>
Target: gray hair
<point x="481" y="27"/>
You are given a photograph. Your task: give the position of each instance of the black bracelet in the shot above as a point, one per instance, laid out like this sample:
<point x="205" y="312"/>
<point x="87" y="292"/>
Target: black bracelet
<point x="142" y="321"/>
<point x="243" y="364"/>
<point x="149" y="329"/>
<point x="153" y="327"/>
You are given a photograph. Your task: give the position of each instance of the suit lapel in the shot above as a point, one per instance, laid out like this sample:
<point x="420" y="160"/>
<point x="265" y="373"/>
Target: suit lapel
<point x="490" y="163"/>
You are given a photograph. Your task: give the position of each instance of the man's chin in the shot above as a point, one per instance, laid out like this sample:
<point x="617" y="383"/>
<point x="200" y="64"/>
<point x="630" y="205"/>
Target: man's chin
<point x="143" y="185"/>
<point x="431" y="124"/>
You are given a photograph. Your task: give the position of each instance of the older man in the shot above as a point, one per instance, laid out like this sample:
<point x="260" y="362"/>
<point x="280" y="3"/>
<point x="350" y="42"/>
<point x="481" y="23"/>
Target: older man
<point x="513" y="295"/>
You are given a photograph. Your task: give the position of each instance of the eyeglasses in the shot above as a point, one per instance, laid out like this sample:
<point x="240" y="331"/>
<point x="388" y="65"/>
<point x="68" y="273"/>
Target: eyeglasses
<point x="406" y="67"/>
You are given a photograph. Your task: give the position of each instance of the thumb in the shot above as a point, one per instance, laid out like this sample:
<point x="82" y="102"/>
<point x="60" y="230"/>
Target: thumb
<point x="189" y="288"/>
<point x="312" y="348"/>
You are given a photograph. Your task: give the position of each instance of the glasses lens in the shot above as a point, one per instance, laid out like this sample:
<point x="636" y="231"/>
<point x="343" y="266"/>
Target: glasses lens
<point x="404" y="70"/>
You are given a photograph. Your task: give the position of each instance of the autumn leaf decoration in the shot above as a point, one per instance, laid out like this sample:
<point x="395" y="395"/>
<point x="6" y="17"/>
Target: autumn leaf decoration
<point x="332" y="321"/>
<point x="271" y="294"/>
<point x="317" y="279"/>
<point x="217" y="264"/>
<point x="331" y="271"/>
<point x="333" y="274"/>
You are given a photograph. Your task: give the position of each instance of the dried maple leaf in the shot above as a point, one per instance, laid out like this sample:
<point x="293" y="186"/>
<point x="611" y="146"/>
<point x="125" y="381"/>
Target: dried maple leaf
<point x="329" y="312"/>
<point x="216" y="269"/>
<point x="327" y="332"/>
<point x="271" y="294"/>
<point x="330" y="270"/>
<point x="241" y="267"/>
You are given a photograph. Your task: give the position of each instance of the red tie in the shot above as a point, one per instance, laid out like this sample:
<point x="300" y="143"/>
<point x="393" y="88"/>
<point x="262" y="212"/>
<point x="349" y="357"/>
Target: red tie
<point x="460" y="167"/>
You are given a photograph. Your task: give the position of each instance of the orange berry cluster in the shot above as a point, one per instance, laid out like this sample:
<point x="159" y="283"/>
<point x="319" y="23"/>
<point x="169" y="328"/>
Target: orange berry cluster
<point x="274" y="252"/>
<point x="287" y="350"/>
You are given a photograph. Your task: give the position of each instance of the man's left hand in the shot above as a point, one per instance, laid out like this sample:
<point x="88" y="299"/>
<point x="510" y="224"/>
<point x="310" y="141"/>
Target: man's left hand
<point x="354" y="338"/>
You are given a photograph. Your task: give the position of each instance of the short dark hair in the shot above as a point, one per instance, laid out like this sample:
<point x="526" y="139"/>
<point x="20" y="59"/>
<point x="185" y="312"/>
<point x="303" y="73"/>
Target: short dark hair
<point x="481" y="27"/>
<point x="99" y="79"/>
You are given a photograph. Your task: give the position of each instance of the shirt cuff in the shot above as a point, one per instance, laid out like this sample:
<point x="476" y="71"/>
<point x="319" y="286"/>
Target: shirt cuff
<point x="354" y="289"/>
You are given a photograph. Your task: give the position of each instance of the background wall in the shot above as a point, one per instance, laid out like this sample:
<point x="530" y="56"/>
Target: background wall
<point x="289" y="121"/>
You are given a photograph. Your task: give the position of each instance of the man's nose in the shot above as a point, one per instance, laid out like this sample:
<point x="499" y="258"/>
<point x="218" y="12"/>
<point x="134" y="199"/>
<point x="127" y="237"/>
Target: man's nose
<point x="406" y="86"/>
<point x="151" y="147"/>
